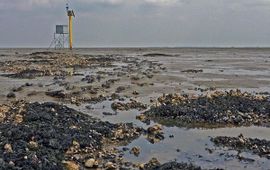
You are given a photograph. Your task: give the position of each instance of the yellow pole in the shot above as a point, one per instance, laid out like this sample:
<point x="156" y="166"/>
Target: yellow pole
<point x="70" y="32"/>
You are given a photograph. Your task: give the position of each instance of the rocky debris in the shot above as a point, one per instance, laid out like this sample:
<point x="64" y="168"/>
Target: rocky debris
<point x="263" y="93"/>
<point x="205" y="89"/>
<point x="11" y="95"/>
<point x="29" y="74"/>
<point x="109" y="113"/>
<point x="56" y="94"/>
<point x="71" y="165"/>
<point x="135" y="93"/>
<point x="91" y="163"/>
<point x="89" y="79"/>
<point x="8" y="148"/>
<point x="152" y="163"/>
<point x="3" y="110"/>
<point x="143" y="119"/>
<point x="133" y="104"/>
<point x="120" y="89"/>
<point x="154" y="129"/>
<point x="135" y="151"/>
<point x="17" y="89"/>
<point x="110" y="166"/>
<point x="155" y="134"/>
<point x="52" y="64"/>
<point x="76" y="97"/>
<point x="108" y="83"/>
<point x="219" y="109"/>
<point x="126" y="131"/>
<point x="115" y="96"/>
<point x="52" y="136"/>
<point x="259" y="147"/>
<point x="135" y="78"/>
<point x="192" y="71"/>
<point x="172" y="166"/>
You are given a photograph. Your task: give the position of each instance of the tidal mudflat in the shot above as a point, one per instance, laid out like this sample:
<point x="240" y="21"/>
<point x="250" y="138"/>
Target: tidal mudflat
<point x="159" y="108"/>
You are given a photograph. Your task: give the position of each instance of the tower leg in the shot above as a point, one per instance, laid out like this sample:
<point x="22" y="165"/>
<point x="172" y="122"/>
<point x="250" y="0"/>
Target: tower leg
<point x="70" y="32"/>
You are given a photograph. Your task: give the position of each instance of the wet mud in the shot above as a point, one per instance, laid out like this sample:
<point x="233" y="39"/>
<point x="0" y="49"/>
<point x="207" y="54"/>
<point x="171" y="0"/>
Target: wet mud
<point x="134" y="109"/>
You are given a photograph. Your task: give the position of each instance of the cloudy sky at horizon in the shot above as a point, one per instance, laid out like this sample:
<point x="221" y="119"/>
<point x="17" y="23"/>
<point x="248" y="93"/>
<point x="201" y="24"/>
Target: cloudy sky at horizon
<point x="127" y="23"/>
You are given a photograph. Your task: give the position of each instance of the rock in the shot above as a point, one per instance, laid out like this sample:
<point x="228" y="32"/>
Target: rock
<point x="70" y="165"/>
<point x="125" y="149"/>
<point x="90" y="163"/>
<point x="11" y="95"/>
<point x="56" y="94"/>
<point x="110" y="166"/>
<point x="141" y="117"/>
<point x="120" y="89"/>
<point x="17" y="89"/>
<point x="171" y="136"/>
<point x="135" y="150"/>
<point x="141" y="166"/>
<point x="28" y="84"/>
<point x="108" y="113"/>
<point x="8" y="148"/>
<point x="127" y="106"/>
<point x="135" y="93"/>
<point x="33" y="145"/>
<point x="154" y="129"/>
<point x="18" y="118"/>
<point x="152" y="163"/>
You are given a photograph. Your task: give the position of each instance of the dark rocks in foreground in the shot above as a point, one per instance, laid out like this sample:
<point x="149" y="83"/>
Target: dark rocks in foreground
<point x="44" y="136"/>
<point x="256" y="146"/>
<point x="220" y="109"/>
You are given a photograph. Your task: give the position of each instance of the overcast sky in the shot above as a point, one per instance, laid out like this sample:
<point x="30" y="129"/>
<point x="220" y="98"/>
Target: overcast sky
<point x="123" y="23"/>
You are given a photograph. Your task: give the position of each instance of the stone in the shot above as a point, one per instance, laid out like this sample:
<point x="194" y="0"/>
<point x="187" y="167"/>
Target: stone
<point x="135" y="150"/>
<point x="8" y="148"/>
<point x="154" y="129"/>
<point x="141" y="117"/>
<point x="18" y="118"/>
<point x="141" y="166"/>
<point x="90" y="163"/>
<point x="70" y="165"/>
<point x="33" y="145"/>
<point x="110" y="166"/>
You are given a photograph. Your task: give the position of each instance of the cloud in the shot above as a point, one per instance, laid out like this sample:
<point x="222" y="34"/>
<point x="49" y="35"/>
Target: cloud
<point x="29" y="4"/>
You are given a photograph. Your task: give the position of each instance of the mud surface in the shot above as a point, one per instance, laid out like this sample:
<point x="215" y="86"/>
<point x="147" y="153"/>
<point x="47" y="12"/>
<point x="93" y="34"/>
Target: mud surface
<point x="159" y="108"/>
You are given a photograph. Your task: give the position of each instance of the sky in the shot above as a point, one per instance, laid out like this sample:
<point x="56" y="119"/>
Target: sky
<point x="138" y="23"/>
